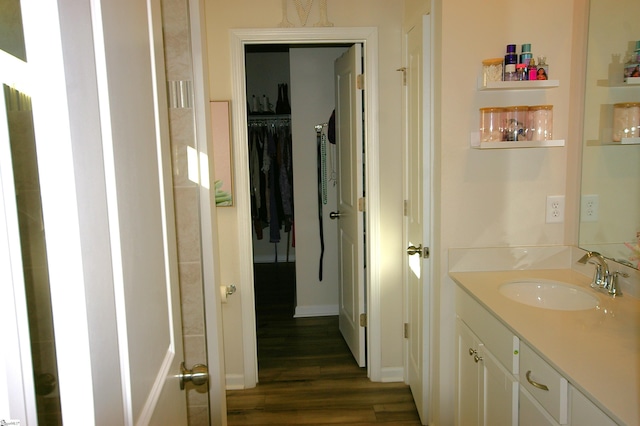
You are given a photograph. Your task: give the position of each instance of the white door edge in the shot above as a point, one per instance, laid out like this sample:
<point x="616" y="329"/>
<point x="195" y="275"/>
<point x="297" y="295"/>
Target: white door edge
<point x="208" y="231"/>
<point x="369" y="37"/>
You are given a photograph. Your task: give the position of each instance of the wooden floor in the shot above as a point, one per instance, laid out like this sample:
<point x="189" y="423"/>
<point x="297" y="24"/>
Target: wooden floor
<point x="307" y="374"/>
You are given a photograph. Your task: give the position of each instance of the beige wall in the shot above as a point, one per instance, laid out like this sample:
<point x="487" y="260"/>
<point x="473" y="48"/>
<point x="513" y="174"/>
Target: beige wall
<point x="494" y="197"/>
<point x="387" y="16"/>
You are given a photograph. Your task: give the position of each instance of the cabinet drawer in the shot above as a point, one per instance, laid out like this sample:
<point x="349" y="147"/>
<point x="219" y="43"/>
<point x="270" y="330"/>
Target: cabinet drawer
<point x="546" y="385"/>
<point x="502" y="343"/>
<point x="585" y="413"/>
<point x="531" y="412"/>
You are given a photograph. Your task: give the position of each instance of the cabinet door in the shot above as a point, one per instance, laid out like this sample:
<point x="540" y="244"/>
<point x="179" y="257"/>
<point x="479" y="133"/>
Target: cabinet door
<point x="467" y="377"/>
<point x="499" y="393"/>
<point x="532" y="413"/>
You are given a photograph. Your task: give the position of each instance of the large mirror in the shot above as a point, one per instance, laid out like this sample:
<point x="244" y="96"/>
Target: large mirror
<point x="610" y="203"/>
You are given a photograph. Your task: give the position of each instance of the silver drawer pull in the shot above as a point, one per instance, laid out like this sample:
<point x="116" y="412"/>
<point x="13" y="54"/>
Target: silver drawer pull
<point x="534" y="383"/>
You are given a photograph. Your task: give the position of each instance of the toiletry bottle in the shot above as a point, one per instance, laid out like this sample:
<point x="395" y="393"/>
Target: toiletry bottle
<point x="632" y="66"/>
<point x="510" y="61"/>
<point x="525" y="55"/>
<point x="542" y="72"/>
<point x="532" y="69"/>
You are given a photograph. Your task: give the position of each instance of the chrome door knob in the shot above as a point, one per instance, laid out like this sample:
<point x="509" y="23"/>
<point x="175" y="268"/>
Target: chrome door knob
<point x="334" y="215"/>
<point x="198" y="375"/>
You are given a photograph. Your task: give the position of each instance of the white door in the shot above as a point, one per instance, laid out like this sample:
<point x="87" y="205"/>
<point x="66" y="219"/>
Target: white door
<point x="101" y="133"/>
<point x="350" y="191"/>
<point x="417" y="187"/>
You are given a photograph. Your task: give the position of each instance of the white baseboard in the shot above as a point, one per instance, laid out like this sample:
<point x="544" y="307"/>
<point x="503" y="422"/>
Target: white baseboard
<point x="392" y="374"/>
<point x="316" y="311"/>
<point x="234" y="381"/>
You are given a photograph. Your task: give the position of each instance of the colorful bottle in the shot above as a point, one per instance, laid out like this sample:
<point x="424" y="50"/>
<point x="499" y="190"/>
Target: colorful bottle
<point x="532" y="69"/>
<point x="525" y="55"/>
<point x="542" y="73"/>
<point x="510" y="61"/>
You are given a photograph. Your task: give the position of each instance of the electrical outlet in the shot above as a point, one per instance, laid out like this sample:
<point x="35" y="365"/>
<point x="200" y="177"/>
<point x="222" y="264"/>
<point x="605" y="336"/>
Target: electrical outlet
<point x="555" y="208"/>
<point x="589" y="208"/>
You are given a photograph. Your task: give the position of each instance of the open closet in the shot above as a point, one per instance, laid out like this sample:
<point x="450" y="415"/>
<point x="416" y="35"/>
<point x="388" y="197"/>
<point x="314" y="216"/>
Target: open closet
<point x="290" y="246"/>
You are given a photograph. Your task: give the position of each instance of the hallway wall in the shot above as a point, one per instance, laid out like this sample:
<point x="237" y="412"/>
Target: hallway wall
<point x="222" y="16"/>
<point x="313" y="99"/>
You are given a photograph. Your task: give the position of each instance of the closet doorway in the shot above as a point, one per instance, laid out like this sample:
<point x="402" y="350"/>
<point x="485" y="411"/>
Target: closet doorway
<point x="303" y="42"/>
<point x="293" y="156"/>
<point x="284" y="166"/>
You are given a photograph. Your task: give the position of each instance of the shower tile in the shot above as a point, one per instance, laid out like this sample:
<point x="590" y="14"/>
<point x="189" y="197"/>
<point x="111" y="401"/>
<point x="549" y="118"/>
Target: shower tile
<point x="191" y="298"/>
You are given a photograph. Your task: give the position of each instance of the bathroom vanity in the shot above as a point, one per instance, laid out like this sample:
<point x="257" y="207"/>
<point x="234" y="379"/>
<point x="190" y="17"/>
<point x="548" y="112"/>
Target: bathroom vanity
<point x="573" y="361"/>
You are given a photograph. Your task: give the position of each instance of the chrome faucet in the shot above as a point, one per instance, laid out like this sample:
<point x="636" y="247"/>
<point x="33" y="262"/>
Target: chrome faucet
<point x="602" y="277"/>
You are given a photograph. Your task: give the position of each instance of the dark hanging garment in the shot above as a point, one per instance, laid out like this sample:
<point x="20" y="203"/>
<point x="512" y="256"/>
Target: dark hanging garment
<point x="331" y="128"/>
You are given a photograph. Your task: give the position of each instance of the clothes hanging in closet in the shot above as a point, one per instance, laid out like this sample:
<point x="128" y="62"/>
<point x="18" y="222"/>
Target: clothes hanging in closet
<point x="271" y="176"/>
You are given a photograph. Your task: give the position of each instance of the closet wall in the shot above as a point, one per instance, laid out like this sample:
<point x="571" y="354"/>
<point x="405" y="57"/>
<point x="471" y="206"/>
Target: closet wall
<point x="308" y="71"/>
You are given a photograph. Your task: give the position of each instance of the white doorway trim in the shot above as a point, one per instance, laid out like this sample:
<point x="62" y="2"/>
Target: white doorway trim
<point x="368" y="36"/>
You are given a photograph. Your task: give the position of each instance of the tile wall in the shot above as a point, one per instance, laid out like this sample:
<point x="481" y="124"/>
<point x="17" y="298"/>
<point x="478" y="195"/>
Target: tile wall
<point x="181" y="121"/>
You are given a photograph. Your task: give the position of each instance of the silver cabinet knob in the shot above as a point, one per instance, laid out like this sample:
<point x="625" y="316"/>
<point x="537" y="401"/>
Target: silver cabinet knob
<point x="198" y="375"/>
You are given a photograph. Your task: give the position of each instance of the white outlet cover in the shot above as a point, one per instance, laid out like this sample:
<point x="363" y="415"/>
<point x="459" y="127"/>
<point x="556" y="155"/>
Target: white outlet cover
<point x="589" y="206"/>
<point x="555" y="209"/>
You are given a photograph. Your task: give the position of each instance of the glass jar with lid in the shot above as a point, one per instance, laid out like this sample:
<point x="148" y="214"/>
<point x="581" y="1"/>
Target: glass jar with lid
<point x="540" y="123"/>
<point x="491" y="120"/>
<point x="491" y="70"/>
<point x="626" y="120"/>
<point x="515" y="123"/>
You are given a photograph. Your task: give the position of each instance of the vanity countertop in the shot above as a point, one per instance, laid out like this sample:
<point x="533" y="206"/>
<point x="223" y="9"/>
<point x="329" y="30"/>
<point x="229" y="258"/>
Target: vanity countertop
<point x="597" y="350"/>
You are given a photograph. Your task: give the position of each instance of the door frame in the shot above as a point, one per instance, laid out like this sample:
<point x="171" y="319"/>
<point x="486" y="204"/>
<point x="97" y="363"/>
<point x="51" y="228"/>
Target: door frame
<point x="368" y="36"/>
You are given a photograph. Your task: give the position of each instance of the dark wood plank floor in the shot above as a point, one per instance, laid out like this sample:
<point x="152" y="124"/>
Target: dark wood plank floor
<point x="307" y="374"/>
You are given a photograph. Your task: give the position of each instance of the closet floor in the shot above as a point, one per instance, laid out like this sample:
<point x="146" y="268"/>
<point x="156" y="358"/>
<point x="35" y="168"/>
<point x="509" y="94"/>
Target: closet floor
<point x="307" y="376"/>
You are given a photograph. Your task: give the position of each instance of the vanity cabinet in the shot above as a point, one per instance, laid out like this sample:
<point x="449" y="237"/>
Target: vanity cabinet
<point x="500" y="380"/>
<point x="487" y="390"/>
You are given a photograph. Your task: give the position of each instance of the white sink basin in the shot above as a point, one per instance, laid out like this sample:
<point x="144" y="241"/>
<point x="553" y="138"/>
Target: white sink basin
<point x="549" y="294"/>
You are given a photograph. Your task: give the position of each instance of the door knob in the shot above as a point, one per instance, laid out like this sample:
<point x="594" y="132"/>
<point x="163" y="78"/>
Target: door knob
<point x="411" y="250"/>
<point x="334" y="215"/>
<point x="198" y="375"/>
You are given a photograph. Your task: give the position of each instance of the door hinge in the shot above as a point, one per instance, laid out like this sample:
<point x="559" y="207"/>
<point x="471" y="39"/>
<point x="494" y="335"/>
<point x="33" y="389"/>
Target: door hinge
<point x="406" y="330"/>
<point x="405" y="207"/>
<point x="363" y="320"/>
<point x="425" y="252"/>
<point x="362" y="204"/>
<point x="360" y="82"/>
<point x="404" y="75"/>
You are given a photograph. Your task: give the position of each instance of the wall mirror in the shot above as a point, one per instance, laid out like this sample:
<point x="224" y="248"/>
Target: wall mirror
<point x="610" y="190"/>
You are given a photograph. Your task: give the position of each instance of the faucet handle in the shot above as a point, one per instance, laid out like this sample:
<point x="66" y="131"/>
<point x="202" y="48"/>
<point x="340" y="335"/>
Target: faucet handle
<point x="598" y="278"/>
<point x="613" y="285"/>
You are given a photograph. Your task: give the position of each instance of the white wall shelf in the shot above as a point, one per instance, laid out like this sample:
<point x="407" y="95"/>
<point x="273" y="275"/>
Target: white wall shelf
<point x="624" y="141"/>
<point x="476" y="144"/>
<point x="518" y="85"/>
<point x="631" y="82"/>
